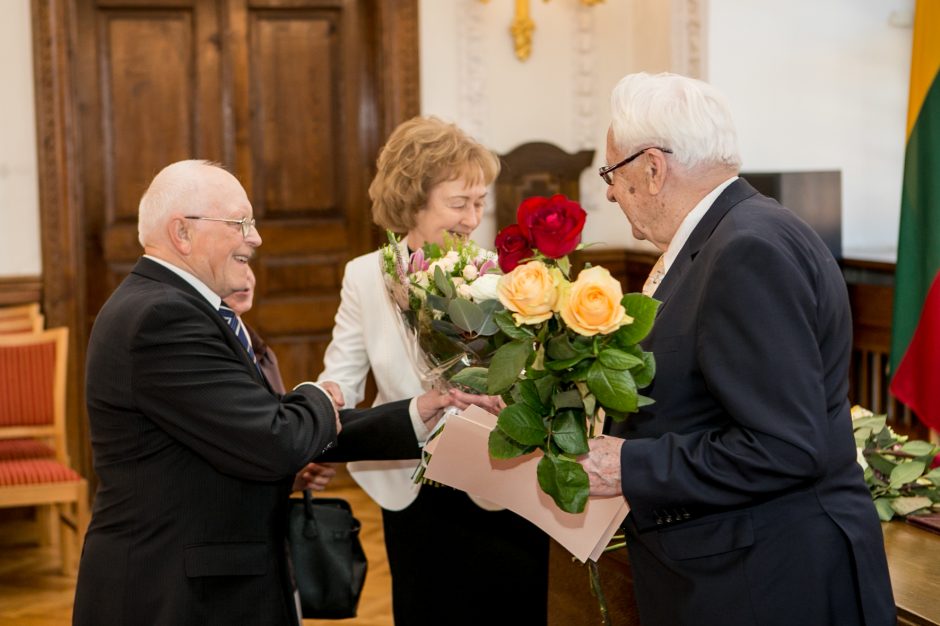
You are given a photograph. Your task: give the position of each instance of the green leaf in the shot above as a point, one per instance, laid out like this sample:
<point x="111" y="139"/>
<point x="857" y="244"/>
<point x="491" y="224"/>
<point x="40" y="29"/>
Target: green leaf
<point x="570" y="399"/>
<point x="443" y="282"/>
<point x="471" y="377"/>
<point x="643" y="311"/>
<point x="643" y="375"/>
<point x="618" y="359"/>
<point x="613" y="388"/>
<point x="565" y="481"/>
<point x="880" y="463"/>
<point x="569" y="431"/>
<point x="642" y="400"/>
<point x="528" y="394"/>
<point x="546" y="387"/>
<point x="904" y="473"/>
<point x="884" y="508"/>
<point x="467" y="315"/>
<point x="933" y="476"/>
<point x="523" y="424"/>
<point x="507" y="363"/>
<point x="560" y="348"/>
<point x="503" y="447"/>
<point x="564" y="265"/>
<point x="917" y="448"/>
<point x="490" y="308"/>
<point x="507" y="324"/>
<point x="563" y="364"/>
<point x="905" y="505"/>
<point x="437" y="303"/>
<point x="874" y="422"/>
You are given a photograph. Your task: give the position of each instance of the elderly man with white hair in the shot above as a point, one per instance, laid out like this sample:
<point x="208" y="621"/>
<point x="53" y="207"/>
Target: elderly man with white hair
<point x="747" y="505"/>
<point x="195" y="454"/>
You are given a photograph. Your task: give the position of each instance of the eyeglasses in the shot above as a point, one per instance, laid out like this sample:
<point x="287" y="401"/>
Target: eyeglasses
<point x="607" y="171"/>
<point x="246" y="223"/>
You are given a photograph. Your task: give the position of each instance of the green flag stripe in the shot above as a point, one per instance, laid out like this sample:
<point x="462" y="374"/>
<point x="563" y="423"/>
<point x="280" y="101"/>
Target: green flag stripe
<point x="919" y="234"/>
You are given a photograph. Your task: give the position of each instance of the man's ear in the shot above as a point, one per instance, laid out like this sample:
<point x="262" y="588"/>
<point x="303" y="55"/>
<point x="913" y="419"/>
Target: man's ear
<point x="656" y="169"/>
<point x="180" y="234"/>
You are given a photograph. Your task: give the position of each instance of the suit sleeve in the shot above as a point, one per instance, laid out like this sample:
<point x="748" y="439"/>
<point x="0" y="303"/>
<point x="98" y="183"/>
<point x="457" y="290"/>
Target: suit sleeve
<point x="381" y="433"/>
<point x="188" y="380"/>
<point x="758" y="352"/>
<point x="346" y="361"/>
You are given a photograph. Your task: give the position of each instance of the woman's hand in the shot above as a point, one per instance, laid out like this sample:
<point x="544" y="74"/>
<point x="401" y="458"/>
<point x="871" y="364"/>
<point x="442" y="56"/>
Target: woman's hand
<point x="314" y="476"/>
<point x="461" y="400"/>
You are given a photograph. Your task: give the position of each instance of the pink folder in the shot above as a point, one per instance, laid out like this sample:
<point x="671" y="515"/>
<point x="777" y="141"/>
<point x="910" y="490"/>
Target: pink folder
<point x="460" y="459"/>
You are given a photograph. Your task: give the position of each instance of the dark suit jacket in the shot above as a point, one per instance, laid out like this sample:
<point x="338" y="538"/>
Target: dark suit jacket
<point x="195" y="457"/>
<point x="747" y="504"/>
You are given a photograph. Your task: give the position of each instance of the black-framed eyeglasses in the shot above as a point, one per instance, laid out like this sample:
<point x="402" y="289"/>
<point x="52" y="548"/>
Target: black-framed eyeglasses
<point x="607" y="171"/>
<point x="246" y="223"/>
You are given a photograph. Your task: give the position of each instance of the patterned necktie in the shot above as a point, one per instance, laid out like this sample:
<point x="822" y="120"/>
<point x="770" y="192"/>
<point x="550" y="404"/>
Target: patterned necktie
<point x="238" y="328"/>
<point x="655" y="277"/>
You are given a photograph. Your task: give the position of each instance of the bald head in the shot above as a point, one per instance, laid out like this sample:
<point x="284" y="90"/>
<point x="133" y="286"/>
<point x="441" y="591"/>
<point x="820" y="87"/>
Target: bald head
<point x="196" y="216"/>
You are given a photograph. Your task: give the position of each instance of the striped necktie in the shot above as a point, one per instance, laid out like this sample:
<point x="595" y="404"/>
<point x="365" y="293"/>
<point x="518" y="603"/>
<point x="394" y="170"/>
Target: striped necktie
<point x="656" y="275"/>
<point x="235" y="323"/>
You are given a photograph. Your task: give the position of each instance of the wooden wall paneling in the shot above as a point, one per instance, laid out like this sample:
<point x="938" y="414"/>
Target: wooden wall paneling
<point x="61" y="213"/>
<point x="20" y="290"/>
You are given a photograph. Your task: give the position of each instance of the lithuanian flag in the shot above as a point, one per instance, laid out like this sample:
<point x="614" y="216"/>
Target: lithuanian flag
<point x="915" y="340"/>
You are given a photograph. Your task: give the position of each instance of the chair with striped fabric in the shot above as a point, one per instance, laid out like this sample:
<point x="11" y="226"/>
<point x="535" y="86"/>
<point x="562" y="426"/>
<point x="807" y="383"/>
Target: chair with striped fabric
<point x="21" y="318"/>
<point x="32" y="420"/>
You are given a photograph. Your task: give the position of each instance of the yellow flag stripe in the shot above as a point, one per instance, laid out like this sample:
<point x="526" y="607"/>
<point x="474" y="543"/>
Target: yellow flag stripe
<point x="925" y="57"/>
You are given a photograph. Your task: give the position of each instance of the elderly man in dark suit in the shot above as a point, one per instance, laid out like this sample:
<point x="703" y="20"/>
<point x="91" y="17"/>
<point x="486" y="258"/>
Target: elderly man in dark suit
<point x="195" y="454"/>
<point x="747" y="505"/>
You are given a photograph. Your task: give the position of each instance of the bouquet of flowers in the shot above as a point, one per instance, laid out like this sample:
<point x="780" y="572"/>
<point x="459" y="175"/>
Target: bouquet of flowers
<point x="902" y="475"/>
<point x="447" y="299"/>
<point x="569" y="352"/>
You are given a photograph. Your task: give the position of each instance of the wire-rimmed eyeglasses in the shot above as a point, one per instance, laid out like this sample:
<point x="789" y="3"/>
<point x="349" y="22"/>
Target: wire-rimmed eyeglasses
<point x="607" y="171"/>
<point x="246" y="223"/>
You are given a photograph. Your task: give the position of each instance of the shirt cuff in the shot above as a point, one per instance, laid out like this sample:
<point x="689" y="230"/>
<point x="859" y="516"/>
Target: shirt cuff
<point x="420" y="428"/>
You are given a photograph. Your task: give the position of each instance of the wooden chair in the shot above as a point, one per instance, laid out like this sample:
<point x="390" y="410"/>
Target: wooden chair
<point x="21" y="318"/>
<point x="32" y="415"/>
<point x="537" y="169"/>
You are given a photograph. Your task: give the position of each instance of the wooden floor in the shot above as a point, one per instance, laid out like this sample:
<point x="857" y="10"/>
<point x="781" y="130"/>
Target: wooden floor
<point x="34" y="593"/>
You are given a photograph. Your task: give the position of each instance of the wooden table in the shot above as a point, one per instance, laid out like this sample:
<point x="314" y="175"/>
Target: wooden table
<point x="913" y="560"/>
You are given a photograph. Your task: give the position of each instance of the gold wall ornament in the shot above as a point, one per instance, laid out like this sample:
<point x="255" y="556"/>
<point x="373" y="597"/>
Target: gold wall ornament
<point x="522" y="26"/>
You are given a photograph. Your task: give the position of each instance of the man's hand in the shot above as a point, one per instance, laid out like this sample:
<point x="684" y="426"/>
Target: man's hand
<point x="602" y="465"/>
<point x="431" y="405"/>
<point x="314" y="476"/>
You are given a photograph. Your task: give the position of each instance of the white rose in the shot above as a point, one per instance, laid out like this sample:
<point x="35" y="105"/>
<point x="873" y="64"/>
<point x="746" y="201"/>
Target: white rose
<point x="465" y="291"/>
<point x="458" y="281"/>
<point x="470" y="272"/>
<point x="484" y="288"/>
<point x="449" y="261"/>
<point x="422" y="279"/>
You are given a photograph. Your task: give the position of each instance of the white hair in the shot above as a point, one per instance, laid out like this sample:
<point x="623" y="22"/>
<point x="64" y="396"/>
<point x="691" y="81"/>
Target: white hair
<point x="682" y="114"/>
<point x="176" y="188"/>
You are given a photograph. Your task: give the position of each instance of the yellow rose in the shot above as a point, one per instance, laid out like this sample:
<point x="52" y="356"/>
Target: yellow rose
<point x="530" y="291"/>
<point x="591" y="304"/>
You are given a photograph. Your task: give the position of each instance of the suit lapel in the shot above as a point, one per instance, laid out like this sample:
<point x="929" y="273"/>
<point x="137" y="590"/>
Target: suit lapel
<point x="154" y="271"/>
<point x="735" y="193"/>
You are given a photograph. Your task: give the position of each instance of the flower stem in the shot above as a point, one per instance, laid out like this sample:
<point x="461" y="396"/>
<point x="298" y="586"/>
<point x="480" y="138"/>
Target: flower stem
<point x="598" y="591"/>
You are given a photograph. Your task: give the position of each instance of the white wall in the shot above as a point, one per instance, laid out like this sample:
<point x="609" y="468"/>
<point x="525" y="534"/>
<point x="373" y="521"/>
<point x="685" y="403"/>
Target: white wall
<point x="821" y="85"/>
<point x="813" y="85"/>
<point x="19" y="192"/>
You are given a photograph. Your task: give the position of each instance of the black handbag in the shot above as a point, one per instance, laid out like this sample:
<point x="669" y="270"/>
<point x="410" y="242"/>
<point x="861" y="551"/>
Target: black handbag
<point x="328" y="562"/>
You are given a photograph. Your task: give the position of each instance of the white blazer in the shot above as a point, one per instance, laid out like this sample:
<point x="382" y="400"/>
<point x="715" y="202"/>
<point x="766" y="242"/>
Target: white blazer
<point x="368" y="334"/>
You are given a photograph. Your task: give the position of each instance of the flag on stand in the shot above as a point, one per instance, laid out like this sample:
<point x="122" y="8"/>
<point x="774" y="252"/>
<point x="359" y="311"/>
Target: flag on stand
<point x="916" y="324"/>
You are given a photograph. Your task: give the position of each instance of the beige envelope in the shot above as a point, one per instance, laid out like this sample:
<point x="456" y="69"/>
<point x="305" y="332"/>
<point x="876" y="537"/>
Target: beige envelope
<point x="460" y="459"/>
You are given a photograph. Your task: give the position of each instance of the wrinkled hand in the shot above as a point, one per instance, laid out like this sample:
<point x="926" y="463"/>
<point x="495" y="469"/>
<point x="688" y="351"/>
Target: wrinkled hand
<point x="336" y="394"/>
<point x="431" y="405"/>
<point x="602" y="465"/>
<point x="314" y="476"/>
<point x="461" y="400"/>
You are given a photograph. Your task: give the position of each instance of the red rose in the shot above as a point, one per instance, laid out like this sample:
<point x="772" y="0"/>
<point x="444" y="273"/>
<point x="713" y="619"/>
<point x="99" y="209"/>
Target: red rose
<point x="553" y="224"/>
<point x="512" y="247"/>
